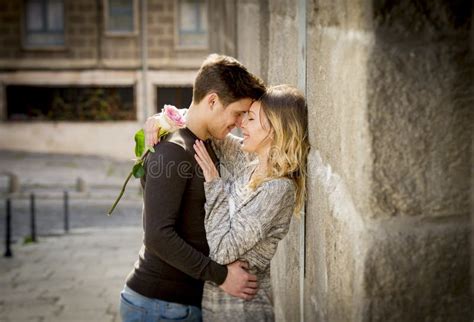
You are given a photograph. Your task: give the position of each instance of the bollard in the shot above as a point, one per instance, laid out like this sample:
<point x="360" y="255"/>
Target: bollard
<point x="14" y="183"/>
<point x="81" y="185"/>
<point x="33" y="217"/>
<point x="8" y="232"/>
<point x="66" y="211"/>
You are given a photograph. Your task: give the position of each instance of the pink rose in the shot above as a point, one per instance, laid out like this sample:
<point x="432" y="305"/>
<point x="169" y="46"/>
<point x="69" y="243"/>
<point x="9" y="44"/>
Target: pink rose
<point x="171" y="119"/>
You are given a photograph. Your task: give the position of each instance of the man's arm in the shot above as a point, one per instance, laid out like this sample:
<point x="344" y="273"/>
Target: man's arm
<point x="166" y="179"/>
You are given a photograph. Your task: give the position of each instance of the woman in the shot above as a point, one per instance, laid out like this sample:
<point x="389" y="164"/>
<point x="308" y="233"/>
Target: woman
<point x="249" y="211"/>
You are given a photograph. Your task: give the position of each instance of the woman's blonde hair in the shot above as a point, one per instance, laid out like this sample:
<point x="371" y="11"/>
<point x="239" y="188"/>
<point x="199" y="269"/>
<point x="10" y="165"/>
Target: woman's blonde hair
<point x="287" y="114"/>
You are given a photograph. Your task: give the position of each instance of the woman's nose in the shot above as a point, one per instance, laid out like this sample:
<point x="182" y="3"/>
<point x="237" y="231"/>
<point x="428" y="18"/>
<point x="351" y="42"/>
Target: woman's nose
<point x="243" y="122"/>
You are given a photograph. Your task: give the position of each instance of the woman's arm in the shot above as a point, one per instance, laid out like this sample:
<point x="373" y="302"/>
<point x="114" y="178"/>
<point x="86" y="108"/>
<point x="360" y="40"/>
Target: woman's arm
<point x="230" y="154"/>
<point x="230" y="238"/>
<point x="217" y="205"/>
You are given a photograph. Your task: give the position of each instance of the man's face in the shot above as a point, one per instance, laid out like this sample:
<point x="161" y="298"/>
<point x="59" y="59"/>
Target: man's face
<point x="225" y="119"/>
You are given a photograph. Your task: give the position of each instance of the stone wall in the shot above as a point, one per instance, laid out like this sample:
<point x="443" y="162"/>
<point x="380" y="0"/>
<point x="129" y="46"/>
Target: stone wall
<point x="9" y="28"/>
<point x="81" y="32"/>
<point x="89" y="45"/>
<point x="390" y="92"/>
<point x="420" y="99"/>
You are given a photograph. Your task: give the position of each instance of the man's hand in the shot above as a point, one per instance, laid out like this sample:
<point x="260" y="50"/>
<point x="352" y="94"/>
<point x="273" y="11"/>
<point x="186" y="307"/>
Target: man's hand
<point x="239" y="282"/>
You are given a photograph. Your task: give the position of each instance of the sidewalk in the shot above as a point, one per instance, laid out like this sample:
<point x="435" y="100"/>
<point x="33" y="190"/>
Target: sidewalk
<point x="43" y="170"/>
<point x="73" y="277"/>
<point x="48" y="175"/>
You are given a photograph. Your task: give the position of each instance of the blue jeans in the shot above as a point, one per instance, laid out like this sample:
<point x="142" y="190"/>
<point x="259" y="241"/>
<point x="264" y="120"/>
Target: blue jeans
<point x="135" y="307"/>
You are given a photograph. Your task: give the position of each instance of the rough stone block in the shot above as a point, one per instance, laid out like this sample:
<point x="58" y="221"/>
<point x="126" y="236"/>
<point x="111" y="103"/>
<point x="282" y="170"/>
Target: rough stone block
<point x="285" y="276"/>
<point x="420" y="272"/>
<point x="420" y="116"/>
<point x="430" y="18"/>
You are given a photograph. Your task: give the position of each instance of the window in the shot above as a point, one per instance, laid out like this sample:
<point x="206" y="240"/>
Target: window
<point x="180" y="97"/>
<point x="192" y="24"/>
<point x="44" y="23"/>
<point x="78" y="103"/>
<point x="120" y="16"/>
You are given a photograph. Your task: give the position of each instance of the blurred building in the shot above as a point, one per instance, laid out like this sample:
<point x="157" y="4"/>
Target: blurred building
<point x="81" y="76"/>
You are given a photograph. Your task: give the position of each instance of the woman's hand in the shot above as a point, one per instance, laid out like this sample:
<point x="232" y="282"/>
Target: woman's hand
<point x="205" y="161"/>
<point x="151" y="129"/>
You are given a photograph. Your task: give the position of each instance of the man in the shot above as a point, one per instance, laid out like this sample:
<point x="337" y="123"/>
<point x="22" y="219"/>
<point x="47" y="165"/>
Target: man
<point x="167" y="280"/>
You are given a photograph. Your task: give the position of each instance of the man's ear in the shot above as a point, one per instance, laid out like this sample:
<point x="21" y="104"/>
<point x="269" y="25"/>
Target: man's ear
<point x="212" y="100"/>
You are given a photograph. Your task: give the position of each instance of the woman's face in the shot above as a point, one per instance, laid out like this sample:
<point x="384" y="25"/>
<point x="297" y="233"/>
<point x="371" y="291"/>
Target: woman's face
<point x="256" y="130"/>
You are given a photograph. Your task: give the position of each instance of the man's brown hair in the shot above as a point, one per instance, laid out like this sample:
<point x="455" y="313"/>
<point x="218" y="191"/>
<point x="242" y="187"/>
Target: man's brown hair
<point x="227" y="77"/>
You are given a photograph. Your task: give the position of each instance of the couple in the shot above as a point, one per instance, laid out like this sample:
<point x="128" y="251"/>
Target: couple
<point x="212" y="220"/>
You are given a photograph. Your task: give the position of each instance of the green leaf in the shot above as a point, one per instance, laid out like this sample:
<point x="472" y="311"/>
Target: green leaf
<point x="138" y="170"/>
<point x="152" y="149"/>
<point x="139" y="143"/>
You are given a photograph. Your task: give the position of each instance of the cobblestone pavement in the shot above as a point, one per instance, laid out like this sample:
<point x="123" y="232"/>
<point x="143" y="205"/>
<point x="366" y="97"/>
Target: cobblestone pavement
<point x="74" y="277"/>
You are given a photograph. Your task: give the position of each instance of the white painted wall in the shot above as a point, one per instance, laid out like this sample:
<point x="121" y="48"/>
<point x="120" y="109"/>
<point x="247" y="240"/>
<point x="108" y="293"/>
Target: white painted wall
<point x="112" y="138"/>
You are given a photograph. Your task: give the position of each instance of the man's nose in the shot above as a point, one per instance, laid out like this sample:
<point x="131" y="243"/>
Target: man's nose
<point x="238" y="123"/>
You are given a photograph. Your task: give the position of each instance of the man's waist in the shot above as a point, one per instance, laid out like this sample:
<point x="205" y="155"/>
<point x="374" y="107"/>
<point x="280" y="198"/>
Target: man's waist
<point x="154" y="267"/>
<point x="166" y="290"/>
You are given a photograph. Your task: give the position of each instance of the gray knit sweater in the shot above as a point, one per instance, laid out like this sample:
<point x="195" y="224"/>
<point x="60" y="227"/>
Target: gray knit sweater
<point x="242" y="224"/>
